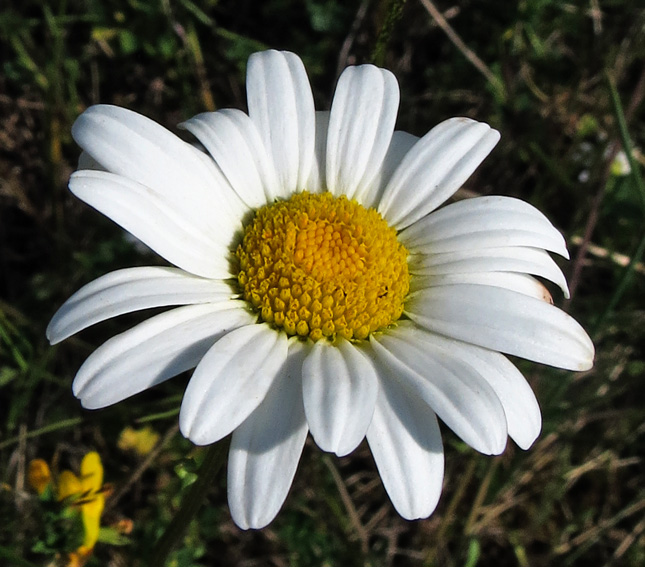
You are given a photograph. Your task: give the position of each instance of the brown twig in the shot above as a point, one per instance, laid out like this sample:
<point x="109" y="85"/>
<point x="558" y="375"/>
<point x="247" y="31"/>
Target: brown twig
<point x="461" y="46"/>
<point x="593" y="533"/>
<point x="627" y="542"/>
<point x="145" y="464"/>
<point x="354" y="517"/>
<point x="592" y="220"/>
<point x="475" y="510"/>
<point x="621" y="260"/>
<point x="351" y="36"/>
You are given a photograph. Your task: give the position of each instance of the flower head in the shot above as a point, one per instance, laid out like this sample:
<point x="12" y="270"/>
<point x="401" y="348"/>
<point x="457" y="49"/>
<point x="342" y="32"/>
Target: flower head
<point x="320" y="287"/>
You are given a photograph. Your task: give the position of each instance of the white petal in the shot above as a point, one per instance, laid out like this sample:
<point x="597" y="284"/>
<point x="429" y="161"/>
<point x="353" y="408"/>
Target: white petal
<point x="135" y="147"/>
<point x="230" y="382"/>
<point x="511" y="259"/>
<point x="361" y="124"/>
<point x="483" y="222"/>
<point x="400" y="145"/>
<point x="449" y="385"/>
<point x="518" y="400"/>
<point x="339" y="388"/>
<point x="152" y="352"/>
<point x="405" y="440"/>
<point x="222" y="197"/>
<point x="282" y="107"/>
<point x="503" y="320"/>
<point x="437" y="165"/>
<point x="316" y="182"/>
<point x="155" y="222"/>
<point x="520" y="405"/>
<point x="86" y="161"/>
<point x="132" y="289"/>
<point x="520" y="283"/>
<point x="233" y="141"/>
<point x="265" y="449"/>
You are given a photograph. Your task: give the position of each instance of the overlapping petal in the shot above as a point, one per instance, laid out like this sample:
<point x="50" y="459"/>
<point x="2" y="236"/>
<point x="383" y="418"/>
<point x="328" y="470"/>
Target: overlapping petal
<point x="339" y="387"/>
<point x="503" y="320"/>
<point x="448" y="384"/>
<point x="405" y="441"/>
<point x="153" y="351"/>
<point x="521" y="283"/>
<point x="521" y="409"/>
<point x="509" y="259"/>
<point x="137" y="148"/>
<point x="234" y="142"/>
<point x="266" y="447"/>
<point x="228" y="384"/>
<point x="483" y="222"/>
<point x="282" y="107"/>
<point x="316" y="182"/>
<point x="400" y="144"/>
<point x="361" y="123"/>
<point x="156" y="222"/>
<point x="86" y="161"/>
<point x="435" y="167"/>
<point x="133" y="289"/>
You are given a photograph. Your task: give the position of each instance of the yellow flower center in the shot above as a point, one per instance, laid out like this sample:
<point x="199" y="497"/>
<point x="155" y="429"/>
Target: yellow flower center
<point x="322" y="266"/>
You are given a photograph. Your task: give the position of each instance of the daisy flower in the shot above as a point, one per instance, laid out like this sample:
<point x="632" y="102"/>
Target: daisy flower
<point x="318" y="287"/>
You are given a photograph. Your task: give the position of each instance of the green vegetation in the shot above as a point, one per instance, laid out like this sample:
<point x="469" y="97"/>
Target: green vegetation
<point x="564" y="83"/>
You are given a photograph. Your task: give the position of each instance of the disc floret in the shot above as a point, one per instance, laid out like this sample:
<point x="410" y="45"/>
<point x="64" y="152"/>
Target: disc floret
<point x="319" y="266"/>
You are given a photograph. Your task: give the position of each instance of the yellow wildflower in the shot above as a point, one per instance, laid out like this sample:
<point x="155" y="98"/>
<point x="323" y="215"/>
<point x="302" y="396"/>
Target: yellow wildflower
<point x="85" y="493"/>
<point x="81" y="496"/>
<point x="39" y="476"/>
<point x="140" y="441"/>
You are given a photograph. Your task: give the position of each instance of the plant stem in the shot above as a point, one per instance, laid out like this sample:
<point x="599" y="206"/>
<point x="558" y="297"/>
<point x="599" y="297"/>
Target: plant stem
<point x="394" y="11"/>
<point x="638" y="181"/>
<point x="623" y="285"/>
<point x="47" y="429"/>
<point x="190" y="504"/>
<point x="624" y="137"/>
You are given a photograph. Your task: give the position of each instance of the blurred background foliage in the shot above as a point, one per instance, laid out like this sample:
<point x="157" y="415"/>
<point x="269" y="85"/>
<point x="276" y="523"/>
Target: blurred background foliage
<point x="540" y="71"/>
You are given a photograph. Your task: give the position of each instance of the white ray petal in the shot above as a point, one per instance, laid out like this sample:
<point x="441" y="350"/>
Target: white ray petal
<point x="234" y="142"/>
<point x="400" y="145"/>
<point x="520" y="283"/>
<point x="520" y="405"/>
<point x="511" y="259"/>
<point x="133" y="289"/>
<point x="363" y="113"/>
<point x="316" y="182"/>
<point x="339" y="387"/>
<point x="153" y="351"/>
<point x="449" y="385"/>
<point x="222" y="197"/>
<point x="518" y="400"/>
<point x="139" y="149"/>
<point x="155" y="222"/>
<point x="436" y="166"/>
<point x="405" y="440"/>
<point x="483" y="222"/>
<point x="231" y="381"/>
<point x="282" y="107"/>
<point x="86" y="161"/>
<point x="265" y="449"/>
<point x="503" y="320"/>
